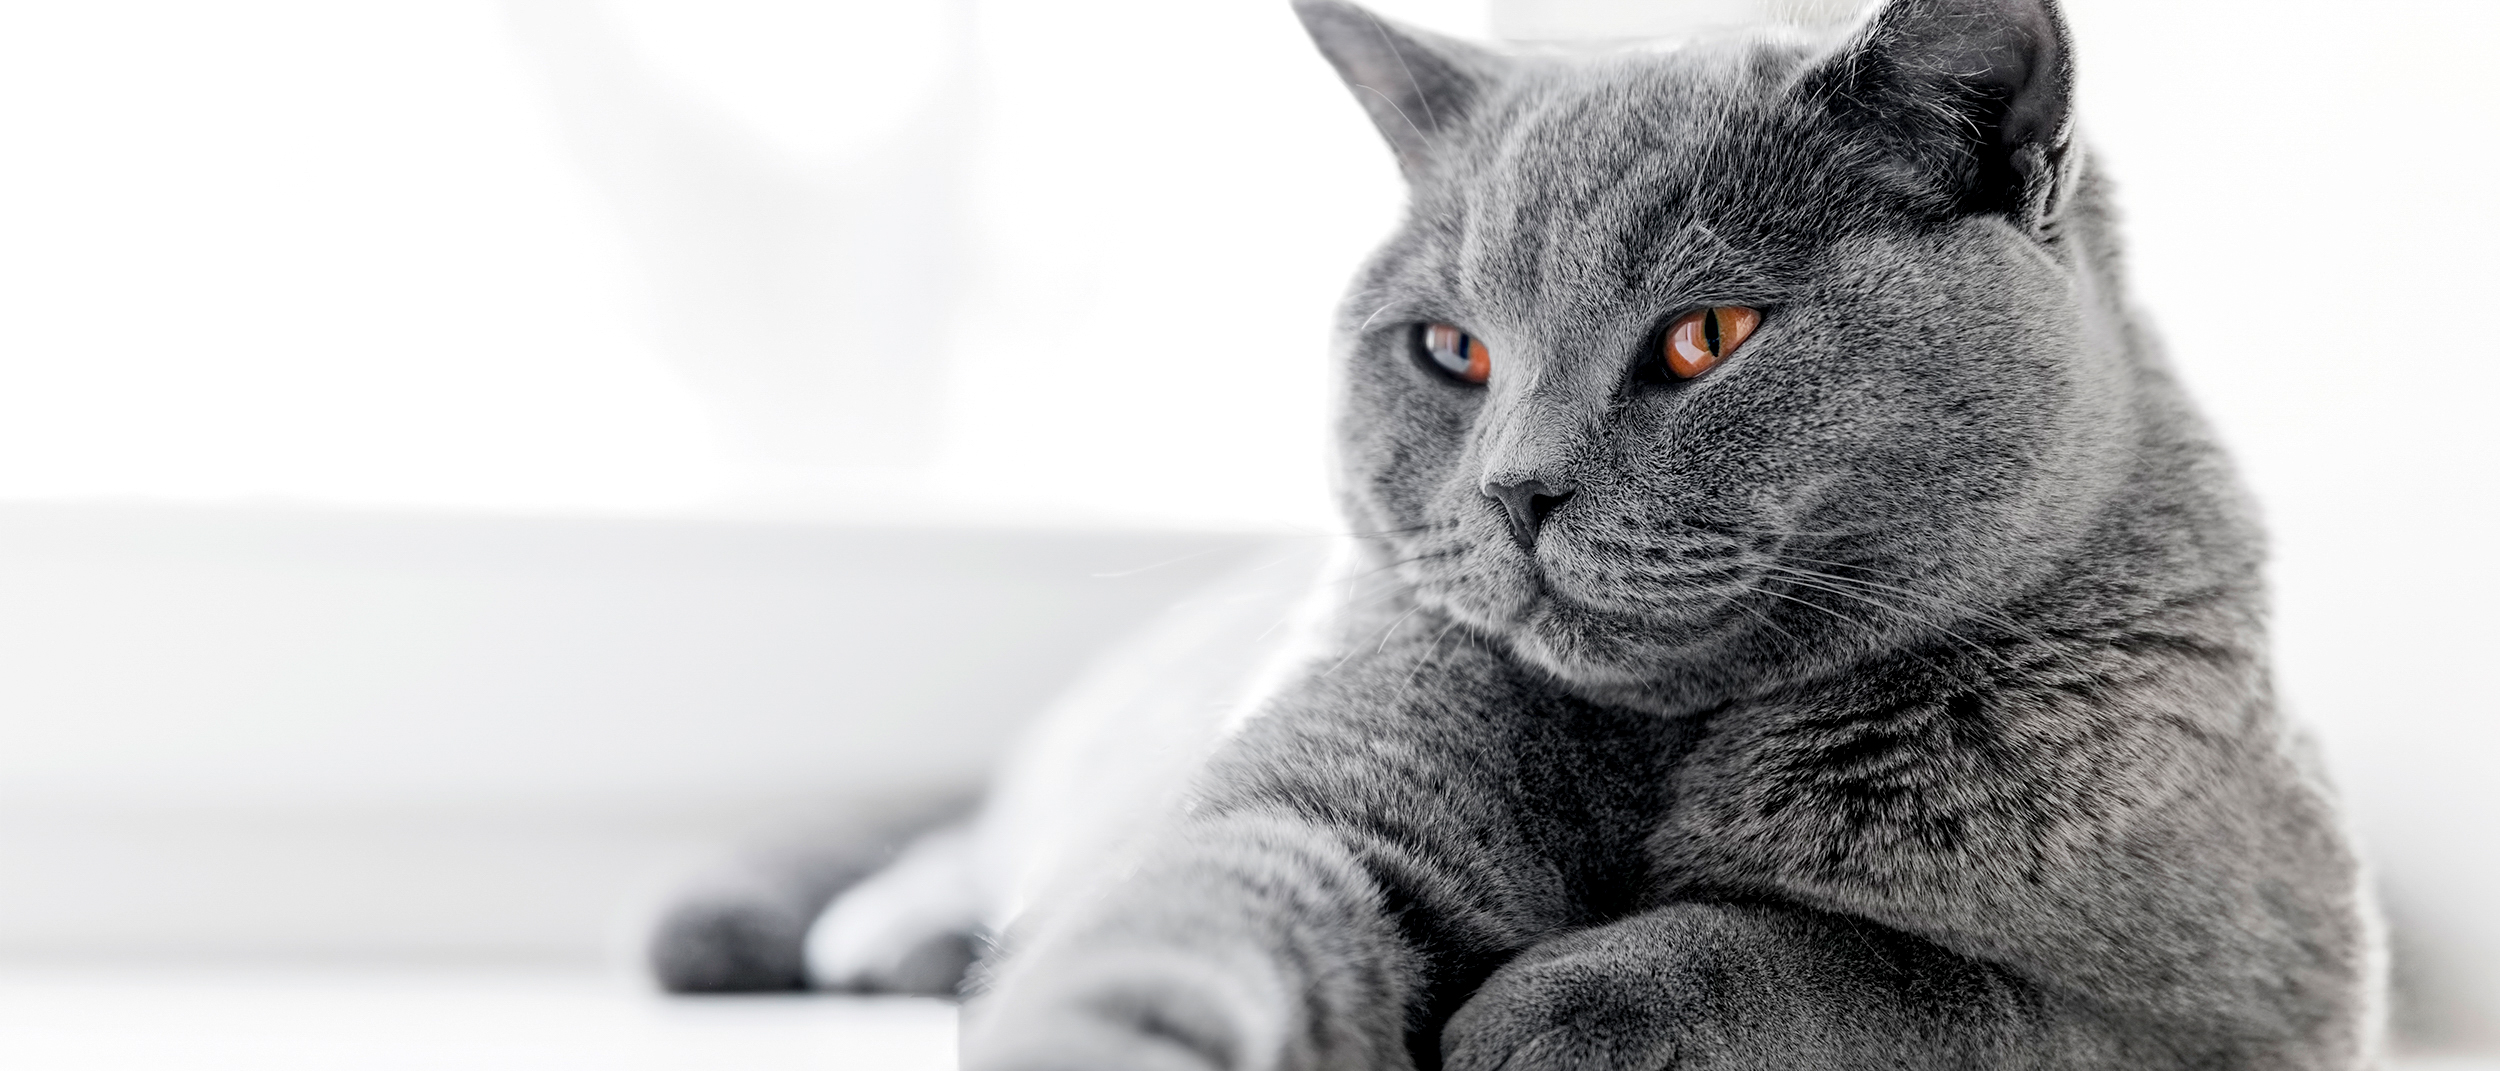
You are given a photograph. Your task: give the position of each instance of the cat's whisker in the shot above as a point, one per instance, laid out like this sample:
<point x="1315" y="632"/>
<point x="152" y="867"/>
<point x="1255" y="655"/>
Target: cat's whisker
<point x="1367" y="601"/>
<point x="1895" y="573"/>
<point x="1387" y="633"/>
<point x="1980" y="614"/>
<point x="1869" y="627"/>
<point x="1432" y="654"/>
<point x="1814" y="533"/>
<point x="1354" y="600"/>
<point x="1349" y="533"/>
<point x="1819" y="608"/>
<point x="1433" y="554"/>
<point x="1770" y="624"/>
<point x="1913" y="617"/>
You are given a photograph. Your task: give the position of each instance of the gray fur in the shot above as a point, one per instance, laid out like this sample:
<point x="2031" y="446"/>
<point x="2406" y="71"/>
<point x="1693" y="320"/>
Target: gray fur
<point x="1894" y="695"/>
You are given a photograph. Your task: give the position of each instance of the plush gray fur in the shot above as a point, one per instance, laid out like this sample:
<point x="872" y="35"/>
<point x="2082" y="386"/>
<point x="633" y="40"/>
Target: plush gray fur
<point x="1893" y="695"/>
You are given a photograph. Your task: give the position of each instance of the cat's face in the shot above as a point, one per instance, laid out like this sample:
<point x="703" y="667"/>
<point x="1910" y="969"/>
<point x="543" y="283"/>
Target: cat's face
<point x="1921" y="413"/>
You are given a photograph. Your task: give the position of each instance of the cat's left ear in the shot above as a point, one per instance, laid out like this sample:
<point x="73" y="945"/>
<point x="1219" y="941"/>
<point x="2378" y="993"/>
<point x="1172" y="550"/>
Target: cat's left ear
<point x="1978" y="94"/>
<point x="1418" y="87"/>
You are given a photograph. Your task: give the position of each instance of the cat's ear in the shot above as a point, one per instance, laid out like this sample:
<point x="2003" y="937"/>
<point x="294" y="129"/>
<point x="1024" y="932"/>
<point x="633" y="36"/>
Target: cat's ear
<point x="1978" y="94"/>
<point x="1417" y="86"/>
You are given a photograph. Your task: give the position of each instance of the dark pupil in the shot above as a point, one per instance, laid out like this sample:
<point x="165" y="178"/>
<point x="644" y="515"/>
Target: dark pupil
<point x="1710" y="331"/>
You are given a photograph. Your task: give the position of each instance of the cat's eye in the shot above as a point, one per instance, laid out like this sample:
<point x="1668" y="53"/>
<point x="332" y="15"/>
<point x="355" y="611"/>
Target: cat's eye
<point x="1457" y="353"/>
<point x="1698" y="341"/>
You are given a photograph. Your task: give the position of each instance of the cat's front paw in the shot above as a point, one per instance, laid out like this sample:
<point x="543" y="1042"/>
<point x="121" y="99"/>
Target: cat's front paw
<point x="1576" y="1008"/>
<point x="1136" y="1010"/>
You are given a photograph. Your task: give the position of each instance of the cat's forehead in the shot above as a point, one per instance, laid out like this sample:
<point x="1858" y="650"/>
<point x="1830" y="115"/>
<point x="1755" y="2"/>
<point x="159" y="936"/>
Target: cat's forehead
<point x="1573" y="133"/>
<point x="1632" y="173"/>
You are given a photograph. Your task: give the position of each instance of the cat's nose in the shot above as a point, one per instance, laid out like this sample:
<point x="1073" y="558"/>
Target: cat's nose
<point x="1528" y="502"/>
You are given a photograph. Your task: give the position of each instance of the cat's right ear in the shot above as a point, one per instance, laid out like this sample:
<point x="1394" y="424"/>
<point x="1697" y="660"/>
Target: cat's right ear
<point x="1975" y="94"/>
<point x="1417" y="86"/>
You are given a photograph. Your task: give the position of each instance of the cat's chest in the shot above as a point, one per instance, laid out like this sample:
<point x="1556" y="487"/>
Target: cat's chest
<point x="1896" y="788"/>
<point x="1590" y="789"/>
<point x="1836" y="786"/>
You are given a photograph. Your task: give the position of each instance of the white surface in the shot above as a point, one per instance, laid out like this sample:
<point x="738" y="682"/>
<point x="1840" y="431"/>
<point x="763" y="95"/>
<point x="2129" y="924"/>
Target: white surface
<point x="69" y="1018"/>
<point x="470" y="1019"/>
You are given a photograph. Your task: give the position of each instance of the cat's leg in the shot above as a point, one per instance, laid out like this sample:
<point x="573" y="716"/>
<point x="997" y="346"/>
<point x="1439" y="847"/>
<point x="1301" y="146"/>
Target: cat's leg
<point x="1716" y="987"/>
<point x="1250" y="942"/>
<point x="742" y="926"/>
<point x="906" y="929"/>
<point x="1357" y="859"/>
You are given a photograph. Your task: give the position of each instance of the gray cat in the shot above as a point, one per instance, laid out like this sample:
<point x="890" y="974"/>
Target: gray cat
<point x="1814" y="630"/>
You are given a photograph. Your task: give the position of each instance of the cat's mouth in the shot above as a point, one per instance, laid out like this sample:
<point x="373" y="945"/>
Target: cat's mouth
<point x="1667" y="618"/>
<point x="1602" y="613"/>
<point x="1605" y="651"/>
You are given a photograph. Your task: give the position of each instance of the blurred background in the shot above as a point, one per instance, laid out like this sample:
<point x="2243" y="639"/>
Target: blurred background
<point x="461" y="462"/>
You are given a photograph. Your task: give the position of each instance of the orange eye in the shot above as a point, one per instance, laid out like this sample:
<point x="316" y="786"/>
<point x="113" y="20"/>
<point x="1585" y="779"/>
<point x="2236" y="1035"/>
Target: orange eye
<point x="1702" y="339"/>
<point x="1458" y="353"/>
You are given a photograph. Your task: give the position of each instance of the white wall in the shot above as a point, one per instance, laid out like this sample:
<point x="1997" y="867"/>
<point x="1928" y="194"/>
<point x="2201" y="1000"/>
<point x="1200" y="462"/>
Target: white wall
<point x="319" y="732"/>
<point x="2311" y="225"/>
<point x="765" y="257"/>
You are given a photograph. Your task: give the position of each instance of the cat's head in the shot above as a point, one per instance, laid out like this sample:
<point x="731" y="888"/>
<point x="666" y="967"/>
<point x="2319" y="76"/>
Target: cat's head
<point x="1934" y="391"/>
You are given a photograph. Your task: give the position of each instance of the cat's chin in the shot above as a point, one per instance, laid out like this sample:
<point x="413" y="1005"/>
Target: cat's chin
<point x="1662" y="655"/>
<point x="1670" y="666"/>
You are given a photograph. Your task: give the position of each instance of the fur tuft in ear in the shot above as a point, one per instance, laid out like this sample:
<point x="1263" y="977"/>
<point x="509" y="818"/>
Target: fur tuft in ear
<point x="1977" y="93"/>
<point x="1415" y="85"/>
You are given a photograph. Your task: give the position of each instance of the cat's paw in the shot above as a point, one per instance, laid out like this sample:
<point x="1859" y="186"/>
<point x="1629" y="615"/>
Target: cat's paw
<point x="907" y="928"/>
<point x="1138" y="1010"/>
<point x="1573" y="1006"/>
<point x="731" y="940"/>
